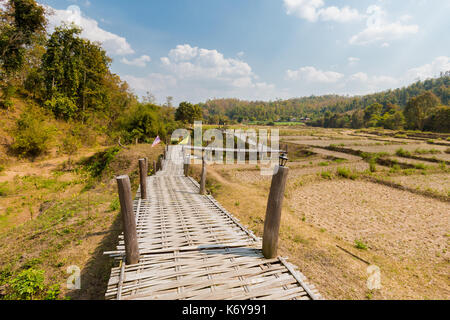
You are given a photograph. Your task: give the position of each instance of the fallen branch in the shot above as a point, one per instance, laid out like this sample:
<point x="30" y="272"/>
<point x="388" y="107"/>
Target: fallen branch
<point x="122" y="144"/>
<point x="353" y="255"/>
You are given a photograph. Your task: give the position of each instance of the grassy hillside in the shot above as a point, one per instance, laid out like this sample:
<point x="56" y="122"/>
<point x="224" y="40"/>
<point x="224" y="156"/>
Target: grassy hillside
<point x="53" y="218"/>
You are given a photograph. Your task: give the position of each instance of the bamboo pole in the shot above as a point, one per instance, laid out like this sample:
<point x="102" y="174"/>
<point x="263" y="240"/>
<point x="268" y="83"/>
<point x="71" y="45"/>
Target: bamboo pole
<point x="203" y="178"/>
<point x="273" y="213"/>
<point x="128" y="220"/>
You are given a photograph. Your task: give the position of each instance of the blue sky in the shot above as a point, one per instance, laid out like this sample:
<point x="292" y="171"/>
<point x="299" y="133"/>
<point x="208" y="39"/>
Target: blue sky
<point x="265" y="49"/>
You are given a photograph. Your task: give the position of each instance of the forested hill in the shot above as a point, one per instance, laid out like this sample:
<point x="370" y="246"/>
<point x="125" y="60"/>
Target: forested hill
<point x="317" y="107"/>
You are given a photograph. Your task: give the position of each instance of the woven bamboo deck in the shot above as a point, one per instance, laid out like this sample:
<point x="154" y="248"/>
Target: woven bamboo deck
<point x="192" y="248"/>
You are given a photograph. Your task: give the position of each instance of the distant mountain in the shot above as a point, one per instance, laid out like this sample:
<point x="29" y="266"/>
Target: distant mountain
<point x="314" y="107"/>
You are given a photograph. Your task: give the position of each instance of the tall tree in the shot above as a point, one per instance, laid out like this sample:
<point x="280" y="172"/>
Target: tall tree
<point x="419" y="108"/>
<point x="74" y="71"/>
<point x="188" y="113"/>
<point x="22" y="22"/>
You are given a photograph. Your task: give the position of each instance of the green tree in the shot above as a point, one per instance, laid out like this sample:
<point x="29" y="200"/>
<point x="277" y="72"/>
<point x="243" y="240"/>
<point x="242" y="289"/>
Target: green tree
<point x="419" y="108"/>
<point x="74" y="70"/>
<point x="22" y="22"/>
<point x="372" y="112"/>
<point x="188" y="113"/>
<point x="439" y="121"/>
<point x="357" y="119"/>
<point x="393" y="121"/>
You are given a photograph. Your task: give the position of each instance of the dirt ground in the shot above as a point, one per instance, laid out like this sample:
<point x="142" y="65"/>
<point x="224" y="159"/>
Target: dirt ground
<point x="405" y="234"/>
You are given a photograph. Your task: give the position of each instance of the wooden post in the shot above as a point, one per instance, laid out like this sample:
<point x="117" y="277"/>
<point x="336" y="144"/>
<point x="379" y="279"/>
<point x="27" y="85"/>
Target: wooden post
<point x="203" y="178"/>
<point x="273" y="213"/>
<point x="128" y="220"/>
<point x="186" y="166"/>
<point x="143" y="173"/>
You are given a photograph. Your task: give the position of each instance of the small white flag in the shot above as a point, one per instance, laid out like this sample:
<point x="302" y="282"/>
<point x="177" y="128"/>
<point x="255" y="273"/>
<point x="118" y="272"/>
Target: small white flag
<point x="156" y="142"/>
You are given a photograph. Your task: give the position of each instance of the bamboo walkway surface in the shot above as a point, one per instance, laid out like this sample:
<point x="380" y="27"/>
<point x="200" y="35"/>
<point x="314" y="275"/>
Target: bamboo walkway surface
<point x="192" y="248"/>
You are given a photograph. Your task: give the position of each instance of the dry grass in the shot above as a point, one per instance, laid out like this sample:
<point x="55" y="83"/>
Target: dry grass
<point x="80" y="225"/>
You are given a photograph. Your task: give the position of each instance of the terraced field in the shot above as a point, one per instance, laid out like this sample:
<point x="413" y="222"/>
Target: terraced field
<point x="388" y="207"/>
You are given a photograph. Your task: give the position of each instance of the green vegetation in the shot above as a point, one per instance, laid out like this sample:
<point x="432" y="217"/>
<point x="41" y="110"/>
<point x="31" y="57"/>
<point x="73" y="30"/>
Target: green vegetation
<point x="326" y="175"/>
<point x="403" y="153"/>
<point x="188" y="113"/>
<point x="360" y="245"/>
<point x="425" y="151"/>
<point x="79" y="98"/>
<point x="97" y="164"/>
<point x="31" y="135"/>
<point x="346" y="173"/>
<point x="422" y="105"/>
<point x="27" y="284"/>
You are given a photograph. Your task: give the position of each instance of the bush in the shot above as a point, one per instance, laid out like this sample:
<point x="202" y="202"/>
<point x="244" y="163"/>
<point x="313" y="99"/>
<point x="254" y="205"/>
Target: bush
<point x="373" y="165"/>
<point x="420" y="166"/>
<point x="27" y="284"/>
<point x="360" y="245"/>
<point x="97" y="164"/>
<point x="403" y="153"/>
<point x="346" y="173"/>
<point x="31" y="135"/>
<point x="326" y="175"/>
<point x="62" y="107"/>
<point x="6" y="104"/>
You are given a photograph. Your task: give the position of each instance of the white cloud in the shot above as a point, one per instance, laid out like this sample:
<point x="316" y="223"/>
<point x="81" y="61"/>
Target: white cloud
<point x="346" y="14"/>
<point x="313" y="10"/>
<point x="433" y="69"/>
<point x="154" y="82"/>
<point x="374" y="82"/>
<point x="311" y="74"/>
<point x="138" y="62"/>
<point x="378" y="29"/>
<point x="197" y="74"/>
<point x="193" y="62"/>
<point x="112" y="43"/>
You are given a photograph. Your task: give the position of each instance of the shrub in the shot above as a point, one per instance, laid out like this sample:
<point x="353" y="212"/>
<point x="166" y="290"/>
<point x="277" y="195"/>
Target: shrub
<point x="403" y="153"/>
<point x="62" y="107"/>
<point x="97" y="164"/>
<point x="360" y="245"/>
<point x="346" y="173"/>
<point x="324" y="164"/>
<point x="6" y="104"/>
<point x="28" y="284"/>
<point x="326" y="175"/>
<point x="70" y="145"/>
<point x="420" y="166"/>
<point x="31" y="135"/>
<point x="373" y="165"/>
<point x="53" y="292"/>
